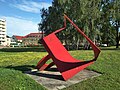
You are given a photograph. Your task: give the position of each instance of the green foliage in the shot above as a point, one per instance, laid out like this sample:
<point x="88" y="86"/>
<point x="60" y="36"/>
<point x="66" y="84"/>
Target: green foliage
<point x="23" y="49"/>
<point x="109" y="21"/>
<point x="97" y="18"/>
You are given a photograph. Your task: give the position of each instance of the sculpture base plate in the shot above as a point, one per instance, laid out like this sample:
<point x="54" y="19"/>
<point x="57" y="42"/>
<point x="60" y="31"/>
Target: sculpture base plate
<point x="52" y="79"/>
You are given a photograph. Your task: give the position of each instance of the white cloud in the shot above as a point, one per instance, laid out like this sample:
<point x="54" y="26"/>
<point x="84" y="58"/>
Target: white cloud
<point x="19" y="26"/>
<point x="30" y="6"/>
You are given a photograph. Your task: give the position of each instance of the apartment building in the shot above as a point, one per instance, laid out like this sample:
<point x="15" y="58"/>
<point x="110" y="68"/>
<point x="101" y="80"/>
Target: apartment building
<point x="3" y="37"/>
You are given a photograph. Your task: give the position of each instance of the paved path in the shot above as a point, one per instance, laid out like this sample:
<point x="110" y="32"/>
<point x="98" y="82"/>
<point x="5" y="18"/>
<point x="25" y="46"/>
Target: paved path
<point x="52" y="79"/>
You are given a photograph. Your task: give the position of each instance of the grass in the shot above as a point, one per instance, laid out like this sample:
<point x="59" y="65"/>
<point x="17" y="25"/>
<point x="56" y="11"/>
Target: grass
<point x="16" y="80"/>
<point x="108" y="64"/>
<point x="14" y="62"/>
<point x="12" y="66"/>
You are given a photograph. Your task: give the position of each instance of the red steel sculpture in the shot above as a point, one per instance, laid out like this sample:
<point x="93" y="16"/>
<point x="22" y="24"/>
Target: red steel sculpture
<point x="65" y="63"/>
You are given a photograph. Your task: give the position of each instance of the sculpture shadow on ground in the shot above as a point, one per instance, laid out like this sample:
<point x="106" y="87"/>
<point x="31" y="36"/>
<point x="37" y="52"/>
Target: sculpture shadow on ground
<point x="28" y="69"/>
<point x="51" y="73"/>
<point x="47" y="75"/>
<point x="22" y="68"/>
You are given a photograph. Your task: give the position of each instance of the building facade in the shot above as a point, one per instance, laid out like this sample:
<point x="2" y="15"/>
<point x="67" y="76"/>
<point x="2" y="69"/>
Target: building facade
<point x="32" y="39"/>
<point x="17" y="38"/>
<point x="8" y="41"/>
<point x="3" y="38"/>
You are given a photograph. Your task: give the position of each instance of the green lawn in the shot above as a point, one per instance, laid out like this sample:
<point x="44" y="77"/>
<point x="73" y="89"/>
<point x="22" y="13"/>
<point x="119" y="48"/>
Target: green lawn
<point x="13" y="63"/>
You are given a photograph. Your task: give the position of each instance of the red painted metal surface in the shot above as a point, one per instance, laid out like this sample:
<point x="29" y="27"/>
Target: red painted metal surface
<point x="66" y="64"/>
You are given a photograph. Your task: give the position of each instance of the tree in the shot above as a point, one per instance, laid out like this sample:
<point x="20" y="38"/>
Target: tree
<point x="115" y="18"/>
<point x="111" y="21"/>
<point x="94" y="17"/>
<point x="85" y="14"/>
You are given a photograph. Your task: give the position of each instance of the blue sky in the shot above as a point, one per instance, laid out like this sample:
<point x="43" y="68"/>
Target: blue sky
<point x="22" y="16"/>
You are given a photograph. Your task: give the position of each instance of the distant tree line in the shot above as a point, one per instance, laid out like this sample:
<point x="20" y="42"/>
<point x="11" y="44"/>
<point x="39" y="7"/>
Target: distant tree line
<point x="99" y="20"/>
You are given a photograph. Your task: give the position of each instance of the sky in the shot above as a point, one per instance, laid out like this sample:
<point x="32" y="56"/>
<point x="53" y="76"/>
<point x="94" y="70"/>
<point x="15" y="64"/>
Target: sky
<point x="22" y="16"/>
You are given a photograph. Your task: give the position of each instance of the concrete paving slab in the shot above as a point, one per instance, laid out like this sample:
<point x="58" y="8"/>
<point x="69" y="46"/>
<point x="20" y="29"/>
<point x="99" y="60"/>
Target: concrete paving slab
<point x="52" y="79"/>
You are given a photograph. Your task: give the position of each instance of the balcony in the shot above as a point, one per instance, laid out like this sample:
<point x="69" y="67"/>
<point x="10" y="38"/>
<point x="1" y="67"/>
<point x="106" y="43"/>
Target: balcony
<point x="2" y="29"/>
<point x="3" y="22"/>
<point x="3" y="40"/>
<point x="2" y="33"/>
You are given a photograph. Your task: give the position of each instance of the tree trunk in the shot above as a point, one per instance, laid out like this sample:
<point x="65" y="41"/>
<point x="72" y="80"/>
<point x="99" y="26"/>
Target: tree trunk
<point x="117" y="37"/>
<point x="67" y="45"/>
<point x="78" y="42"/>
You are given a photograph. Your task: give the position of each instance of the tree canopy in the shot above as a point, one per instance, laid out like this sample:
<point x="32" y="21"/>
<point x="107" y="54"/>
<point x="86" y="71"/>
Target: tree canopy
<point x="99" y="20"/>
